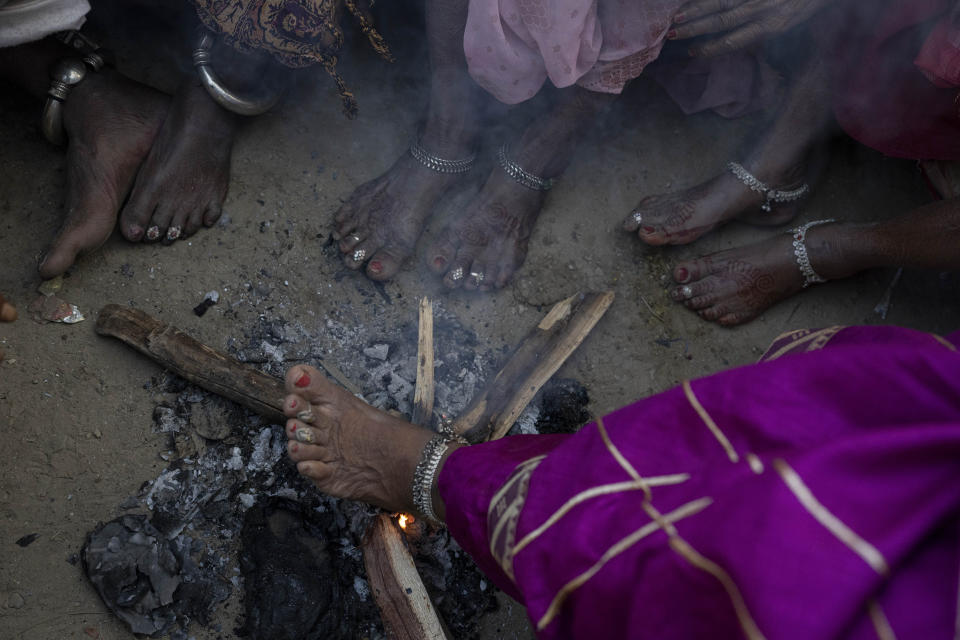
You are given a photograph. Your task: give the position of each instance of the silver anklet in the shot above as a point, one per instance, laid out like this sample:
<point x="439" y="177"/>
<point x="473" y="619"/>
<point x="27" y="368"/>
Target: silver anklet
<point x="800" y="251"/>
<point x="424" y="476"/>
<point x="770" y="195"/>
<point x="66" y="74"/>
<point x="522" y="177"/>
<point x="438" y="164"/>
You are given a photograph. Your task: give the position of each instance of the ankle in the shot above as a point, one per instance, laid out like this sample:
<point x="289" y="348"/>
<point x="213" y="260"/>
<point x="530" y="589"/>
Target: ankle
<point x="839" y="250"/>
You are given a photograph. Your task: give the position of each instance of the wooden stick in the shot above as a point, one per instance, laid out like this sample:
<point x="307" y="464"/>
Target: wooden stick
<point x="405" y="606"/>
<point x="423" y="394"/>
<point x="491" y="414"/>
<point x="195" y="361"/>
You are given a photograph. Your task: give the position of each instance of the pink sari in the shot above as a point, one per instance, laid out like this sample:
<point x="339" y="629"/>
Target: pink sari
<point x="815" y="494"/>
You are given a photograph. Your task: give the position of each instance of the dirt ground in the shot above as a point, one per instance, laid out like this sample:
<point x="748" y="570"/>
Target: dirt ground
<point x="76" y="419"/>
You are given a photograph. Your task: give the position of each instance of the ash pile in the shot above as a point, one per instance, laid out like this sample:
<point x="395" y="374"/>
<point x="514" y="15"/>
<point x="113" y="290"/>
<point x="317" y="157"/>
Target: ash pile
<point x="229" y="523"/>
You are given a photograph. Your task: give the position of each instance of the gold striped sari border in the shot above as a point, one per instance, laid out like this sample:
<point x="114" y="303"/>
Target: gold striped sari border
<point x="944" y="342"/>
<point x="624" y="544"/>
<point x="869" y="553"/>
<point x="880" y="622"/>
<point x="805" y="339"/>
<point x="601" y="490"/>
<point x="707" y="420"/>
<point x="622" y="461"/>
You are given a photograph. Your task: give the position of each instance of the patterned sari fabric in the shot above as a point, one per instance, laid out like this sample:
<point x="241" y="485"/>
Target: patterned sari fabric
<point x="298" y="33"/>
<point x="815" y="494"/>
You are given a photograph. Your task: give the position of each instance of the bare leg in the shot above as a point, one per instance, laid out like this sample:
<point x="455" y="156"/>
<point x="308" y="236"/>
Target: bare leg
<point x="382" y="219"/>
<point x="734" y="286"/>
<point x="491" y="236"/>
<point x="780" y="161"/>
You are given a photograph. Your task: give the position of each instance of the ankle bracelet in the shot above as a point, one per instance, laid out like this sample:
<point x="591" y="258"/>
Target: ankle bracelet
<point x="800" y="251"/>
<point x="522" y="177"/>
<point x="424" y="475"/>
<point x="438" y="164"/>
<point x="66" y="74"/>
<point x="770" y="195"/>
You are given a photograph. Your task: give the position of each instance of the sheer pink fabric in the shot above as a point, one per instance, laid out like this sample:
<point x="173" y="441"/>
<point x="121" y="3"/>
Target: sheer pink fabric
<point x="513" y="46"/>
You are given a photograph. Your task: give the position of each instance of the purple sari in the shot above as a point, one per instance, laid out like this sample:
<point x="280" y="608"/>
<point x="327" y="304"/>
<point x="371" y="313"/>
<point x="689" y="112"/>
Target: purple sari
<point x="815" y="494"/>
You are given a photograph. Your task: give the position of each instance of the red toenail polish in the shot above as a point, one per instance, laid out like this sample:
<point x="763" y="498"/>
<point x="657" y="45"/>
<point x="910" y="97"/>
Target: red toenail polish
<point x="302" y="381"/>
<point x="682" y="274"/>
<point x="439" y="262"/>
<point x="647" y="229"/>
<point x="293" y="447"/>
<point x="293" y="403"/>
<point x="679" y="18"/>
<point x="376" y="267"/>
<point x="672" y="34"/>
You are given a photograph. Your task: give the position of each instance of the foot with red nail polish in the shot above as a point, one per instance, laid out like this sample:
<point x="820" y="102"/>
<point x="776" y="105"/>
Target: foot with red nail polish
<point x="350" y="449"/>
<point x="787" y="157"/>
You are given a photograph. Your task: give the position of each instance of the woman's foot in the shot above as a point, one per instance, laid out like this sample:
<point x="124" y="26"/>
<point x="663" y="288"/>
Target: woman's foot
<point x="735" y="286"/>
<point x="111" y="123"/>
<point x="681" y="218"/>
<point x="357" y="452"/>
<point x="380" y="223"/>
<point x="485" y="244"/>
<point x="184" y="178"/>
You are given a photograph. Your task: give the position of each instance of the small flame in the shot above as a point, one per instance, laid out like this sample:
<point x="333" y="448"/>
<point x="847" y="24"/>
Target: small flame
<point x="402" y="520"/>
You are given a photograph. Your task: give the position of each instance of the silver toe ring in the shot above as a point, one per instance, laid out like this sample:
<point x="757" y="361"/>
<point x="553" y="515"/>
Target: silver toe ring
<point x="359" y="255"/>
<point x="637" y="217"/>
<point x="477" y="276"/>
<point x="173" y="233"/>
<point x="304" y="435"/>
<point x="686" y="292"/>
<point x="153" y="232"/>
<point x="456" y="274"/>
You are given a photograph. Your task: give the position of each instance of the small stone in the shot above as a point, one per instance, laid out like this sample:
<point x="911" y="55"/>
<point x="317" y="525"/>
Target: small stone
<point x="15" y="600"/>
<point x="97" y="434"/>
<point x="51" y="286"/>
<point x="377" y="352"/>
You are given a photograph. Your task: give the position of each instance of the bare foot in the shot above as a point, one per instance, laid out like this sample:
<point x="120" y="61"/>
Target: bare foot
<point x="111" y="122"/>
<point x="183" y="181"/>
<point x="737" y="285"/>
<point x="681" y="218"/>
<point x="358" y="452"/>
<point x="380" y="223"/>
<point x="485" y="244"/>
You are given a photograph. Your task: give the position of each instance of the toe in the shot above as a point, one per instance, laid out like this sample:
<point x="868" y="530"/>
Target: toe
<point x="713" y="313"/>
<point x="458" y="272"/>
<point x="210" y="216"/>
<point x="733" y="319"/>
<point x="383" y="265"/>
<point x="136" y="215"/>
<point x="633" y="221"/>
<point x="442" y="252"/>
<point x="693" y="270"/>
<point x="175" y="230"/>
<point x="301" y="380"/>
<point x="350" y="240"/>
<point x="317" y="471"/>
<point x="360" y="254"/>
<point x="651" y="234"/>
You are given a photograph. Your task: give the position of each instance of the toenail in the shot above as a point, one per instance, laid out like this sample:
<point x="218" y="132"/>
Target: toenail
<point x="439" y="262"/>
<point x="153" y="232"/>
<point x="677" y="19"/>
<point x="293" y="403"/>
<point x="682" y="275"/>
<point x="376" y="267"/>
<point x="647" y="229"/>
<point x="135" y="231"/>
<point x="302" y="381"/>
<point x="294" y="447"/>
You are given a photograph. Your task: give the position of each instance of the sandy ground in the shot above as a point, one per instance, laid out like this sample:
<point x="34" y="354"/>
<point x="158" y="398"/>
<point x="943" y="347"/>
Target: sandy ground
<point x="75" y="415"/>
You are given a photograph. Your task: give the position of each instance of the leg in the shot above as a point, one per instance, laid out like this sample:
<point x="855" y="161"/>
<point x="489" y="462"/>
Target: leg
<point x="110" y="122"/>
<point x="779" y="161"/>
<point x="358" y="452"/>
<point x="490" y="237"/>
<point x="734" y="286"/>
<point x="382" y="219"/>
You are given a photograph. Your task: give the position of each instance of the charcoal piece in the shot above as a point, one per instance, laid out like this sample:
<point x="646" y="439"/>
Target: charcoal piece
<point x="134" y="570"/>
<point x="212" y="418"/>
<point x="563" y="406"/>
<point x="27" y="539"/>
<point x="147" y="580"/>
<point x="291" y="584"/>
